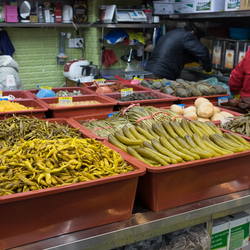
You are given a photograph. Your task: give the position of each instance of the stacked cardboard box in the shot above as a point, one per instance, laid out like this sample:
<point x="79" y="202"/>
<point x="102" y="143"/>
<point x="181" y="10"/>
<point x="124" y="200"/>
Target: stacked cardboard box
<point x="230" y="232"/>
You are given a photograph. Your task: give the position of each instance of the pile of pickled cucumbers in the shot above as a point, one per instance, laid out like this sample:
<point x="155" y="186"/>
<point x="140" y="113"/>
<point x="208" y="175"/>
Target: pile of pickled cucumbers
<point x="171" y="142"/>
<point x="39" y="164"/>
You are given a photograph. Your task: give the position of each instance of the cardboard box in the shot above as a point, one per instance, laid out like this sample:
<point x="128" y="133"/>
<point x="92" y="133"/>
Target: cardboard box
<point x="232" y="5"/>
<point x="163" y="8"/>
<point x="220" y="232"/>
<point x="230" y="232"/>
<point x="209" y="5"/>
<point x="184" y="8"/>
<point x="239" y="230"/>
<point x="244" y="5"/>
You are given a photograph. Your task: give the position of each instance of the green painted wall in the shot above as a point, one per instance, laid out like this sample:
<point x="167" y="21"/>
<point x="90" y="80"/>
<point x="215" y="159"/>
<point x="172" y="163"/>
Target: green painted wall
<point x="37" y="48"/>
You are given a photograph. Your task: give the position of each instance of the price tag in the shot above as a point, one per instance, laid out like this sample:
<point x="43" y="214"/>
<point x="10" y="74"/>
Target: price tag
<point x="222" y="99"/>
<point x="99" y="81"/>
<point x="1" y="93"/>
<point x="45" y="87"/>
<point x="167" y="83"/>
<point x="181" y="105"/>
<point x="4" y="99"/>
<point x="157" y="80"/>
<point x="111" y="114"/>
<point x="125" y="92"/>
<point x="138" y="79"/>
<point x="65" y="100"/>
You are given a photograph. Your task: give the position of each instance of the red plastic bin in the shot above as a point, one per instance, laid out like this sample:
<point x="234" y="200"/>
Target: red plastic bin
<point x="18" y="94"/>
<point x="163" y="99"/>
<point x="86" y="132"/>
<point x="38" y="112"/>
<point x="41" y="214"/>
<point x="190" y="100"/>
<point x="106" y="105"/>
<point x="183" y="183"/>
<point x="84" y="91"/>
<point x="135" y="88"/>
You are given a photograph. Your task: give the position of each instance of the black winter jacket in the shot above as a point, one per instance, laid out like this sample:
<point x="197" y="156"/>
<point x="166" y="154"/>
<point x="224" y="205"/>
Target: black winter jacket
<point x="172" y="52"/>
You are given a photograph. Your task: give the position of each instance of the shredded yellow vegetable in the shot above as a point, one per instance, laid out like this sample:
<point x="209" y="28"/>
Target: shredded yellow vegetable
<point x="6" y="106"/>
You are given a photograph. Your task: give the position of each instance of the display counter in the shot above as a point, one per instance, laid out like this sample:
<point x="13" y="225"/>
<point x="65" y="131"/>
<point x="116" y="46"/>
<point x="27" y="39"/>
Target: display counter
<point x="145" y="224"/>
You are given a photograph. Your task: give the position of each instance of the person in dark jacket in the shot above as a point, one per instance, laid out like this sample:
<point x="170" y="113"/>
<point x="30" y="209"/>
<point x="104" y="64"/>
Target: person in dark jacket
<point x="174" y="49"/>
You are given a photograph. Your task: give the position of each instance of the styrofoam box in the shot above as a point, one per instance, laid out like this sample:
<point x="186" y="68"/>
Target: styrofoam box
<point x="163" y="8"/>
<point x="168" y="1"/>
<point x="220" y="232"/>
<point x="184" y="8"/>
<point x="209" y="5"/>
<point x="184" y="1"/>
<point x="231" y="5"/>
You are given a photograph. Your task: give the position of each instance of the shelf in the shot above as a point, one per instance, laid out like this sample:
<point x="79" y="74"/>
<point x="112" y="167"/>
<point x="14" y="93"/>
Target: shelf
<point x="126" y="25"/>
<point x="71" y="25"/>
<point x="45" y="25"/>
<point x="211" y="15"/>
<point x="145" y="224"/>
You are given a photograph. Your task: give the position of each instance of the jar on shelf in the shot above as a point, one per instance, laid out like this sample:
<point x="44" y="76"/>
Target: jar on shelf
<point x="40" y="14"/>
<point x="148" y="14"/>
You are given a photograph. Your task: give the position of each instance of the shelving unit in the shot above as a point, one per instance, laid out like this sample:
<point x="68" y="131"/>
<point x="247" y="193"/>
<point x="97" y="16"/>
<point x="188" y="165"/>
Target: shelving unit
<point x="145" y="224"/>
<point x="211" y="15"/>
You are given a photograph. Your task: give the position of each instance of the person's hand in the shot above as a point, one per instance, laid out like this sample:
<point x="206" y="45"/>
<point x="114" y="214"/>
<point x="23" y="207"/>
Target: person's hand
<point x="206" y="72"/>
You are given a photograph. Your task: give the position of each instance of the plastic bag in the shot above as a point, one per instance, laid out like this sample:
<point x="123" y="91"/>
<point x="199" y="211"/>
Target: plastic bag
<point x="214" y="81"/>
<point x="154" y="243"/>
<point x="45" y="93"/>
<point x="192" y="238"/>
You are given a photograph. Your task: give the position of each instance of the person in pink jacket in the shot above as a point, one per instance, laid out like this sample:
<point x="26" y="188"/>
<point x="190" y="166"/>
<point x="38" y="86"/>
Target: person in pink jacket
<point x="239" y="81"/>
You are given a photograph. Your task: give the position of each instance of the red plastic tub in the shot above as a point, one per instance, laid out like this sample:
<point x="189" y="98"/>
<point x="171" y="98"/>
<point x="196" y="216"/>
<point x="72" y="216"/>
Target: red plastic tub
<point x="38" y="112"/>
<point x="86" y="132"/>
<point x="84" y="91"/>
<point x="37" y="215"/>
<point x="135" y="88"/>
<point x="163" y="99"/>
<point x="190" y="100"/>
<point x="179" y="184"/>
<point x="18" y="94"/>
<point x="175" y="185"/>
<point x="106" y="105"/>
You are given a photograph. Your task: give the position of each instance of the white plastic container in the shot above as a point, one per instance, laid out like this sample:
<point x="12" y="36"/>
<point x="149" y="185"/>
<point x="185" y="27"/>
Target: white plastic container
<point x="184" y="8"/>
<point x="209" y="5"/>
<point x="163" y="8"/>
<point x="232" y="5"/>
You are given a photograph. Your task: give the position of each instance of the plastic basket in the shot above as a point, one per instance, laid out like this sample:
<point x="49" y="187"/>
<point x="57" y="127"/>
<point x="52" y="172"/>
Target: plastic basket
<point x="41" y="214"/>
<point x="163" y="99"/>
<point x="106" y="105"/>
<point x="18" y="94"/>
<point x="84" y="91"/>
<point x="38" y="112"/>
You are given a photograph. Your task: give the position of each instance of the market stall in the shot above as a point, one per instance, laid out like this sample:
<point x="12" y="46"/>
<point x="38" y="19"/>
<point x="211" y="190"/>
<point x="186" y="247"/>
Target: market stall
<point x="157" y="195"/>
